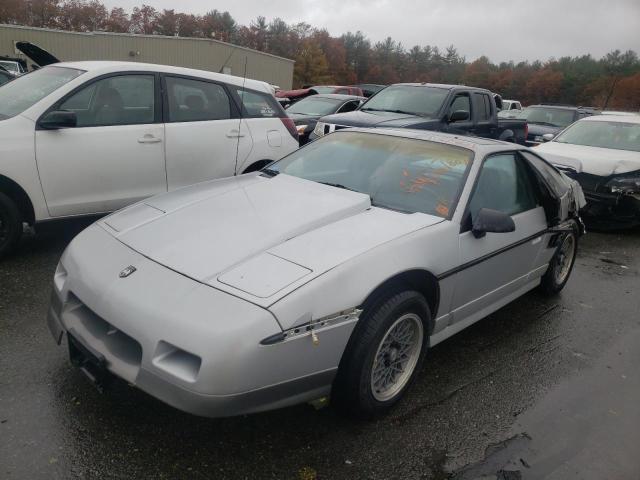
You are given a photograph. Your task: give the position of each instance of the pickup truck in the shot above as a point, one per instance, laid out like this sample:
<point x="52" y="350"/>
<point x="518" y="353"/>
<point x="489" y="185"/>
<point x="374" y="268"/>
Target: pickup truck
<point x="453" y="109"/>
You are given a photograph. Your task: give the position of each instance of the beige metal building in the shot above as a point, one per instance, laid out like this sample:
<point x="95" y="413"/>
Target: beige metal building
<point x="204" y="54"/>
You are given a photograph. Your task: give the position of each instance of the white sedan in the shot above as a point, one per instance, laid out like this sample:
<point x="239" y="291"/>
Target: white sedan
<point x="329" y="272"/>
<point x="602" y="153"/>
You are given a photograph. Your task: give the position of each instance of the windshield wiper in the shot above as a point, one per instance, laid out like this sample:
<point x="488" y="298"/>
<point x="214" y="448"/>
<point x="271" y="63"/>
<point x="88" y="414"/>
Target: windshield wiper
<point x="392" y="111"/>
<point x="339" y="185"/>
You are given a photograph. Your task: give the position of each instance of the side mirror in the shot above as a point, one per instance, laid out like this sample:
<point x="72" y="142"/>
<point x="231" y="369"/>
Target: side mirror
<point x="458" y="116"/>
<point x="58" y="119"/>
<point x="548" y="137"/>
<point x="492" y="221"/>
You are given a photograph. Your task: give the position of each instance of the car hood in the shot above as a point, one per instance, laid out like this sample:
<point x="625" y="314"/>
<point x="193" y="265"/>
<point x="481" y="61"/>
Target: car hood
<point x="593" y="160"/>
<point x="41" y="57"/>
<point x="258" y="237"/>
<point x="361" y="118"/>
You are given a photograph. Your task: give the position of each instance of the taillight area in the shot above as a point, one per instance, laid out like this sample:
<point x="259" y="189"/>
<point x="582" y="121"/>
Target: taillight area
<point x="290" y="126"/>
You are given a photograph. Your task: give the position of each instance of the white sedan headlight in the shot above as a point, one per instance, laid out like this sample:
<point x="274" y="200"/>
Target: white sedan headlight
<point x="319" y="130"/>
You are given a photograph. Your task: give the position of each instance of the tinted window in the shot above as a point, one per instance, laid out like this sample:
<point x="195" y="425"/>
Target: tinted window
<point x="350" y="106"/>
<point x="461" y="102"/>
<point x="24" y="92"/>
<point x="195" y="100"/>
<point x="120" y="100"/>
<point x="4" y="77"/>
<point x="315" y="106"/>
<point x="258" y="104"/>
<point x="425" y="101"/>
<point x="552" y="117"/>
<point x="397" y="173"/>
<point x="482" y="106"/>
<point x="553" y="178"/>
<point x="503" y="185"/>
<point x="603" y="134"/>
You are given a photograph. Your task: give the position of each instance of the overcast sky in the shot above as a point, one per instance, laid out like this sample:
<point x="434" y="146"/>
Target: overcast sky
<point x="500" y="29"/>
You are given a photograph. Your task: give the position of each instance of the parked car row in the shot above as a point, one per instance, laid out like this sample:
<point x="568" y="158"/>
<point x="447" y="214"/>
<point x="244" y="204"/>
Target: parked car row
<point x="330" y="272"/>
<point x="244" y="273"/>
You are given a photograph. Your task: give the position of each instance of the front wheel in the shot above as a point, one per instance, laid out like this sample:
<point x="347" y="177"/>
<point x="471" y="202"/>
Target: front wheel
<point x="384" y="354"/>
<point x="561" y="264"/>
<point x="10" y="225"/>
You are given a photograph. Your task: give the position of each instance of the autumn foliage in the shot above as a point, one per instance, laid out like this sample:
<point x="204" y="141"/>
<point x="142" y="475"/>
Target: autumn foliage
<point x="613" y="80"/>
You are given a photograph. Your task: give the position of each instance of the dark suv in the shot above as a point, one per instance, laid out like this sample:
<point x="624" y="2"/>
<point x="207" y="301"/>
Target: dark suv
<point x="551" y="119"/>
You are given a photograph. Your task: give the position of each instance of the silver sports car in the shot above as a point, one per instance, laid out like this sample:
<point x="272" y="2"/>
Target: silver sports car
<point x="332" y="271"/>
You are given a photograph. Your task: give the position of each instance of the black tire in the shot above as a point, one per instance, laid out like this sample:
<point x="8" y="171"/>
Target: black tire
<point x="552" y="282"/>
<point x="10" y="225"/>
<point x="352" y="391"/>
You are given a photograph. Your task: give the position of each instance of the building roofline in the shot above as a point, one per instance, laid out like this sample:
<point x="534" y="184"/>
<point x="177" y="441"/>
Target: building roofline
<point x="137" y="35"/>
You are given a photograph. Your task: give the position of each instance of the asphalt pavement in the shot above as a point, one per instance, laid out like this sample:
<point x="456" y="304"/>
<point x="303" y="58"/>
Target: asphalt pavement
<point x="543" y="388"/>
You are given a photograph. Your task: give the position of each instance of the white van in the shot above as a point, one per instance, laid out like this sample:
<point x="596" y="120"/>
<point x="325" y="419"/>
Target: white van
<point x="87" y="138"/>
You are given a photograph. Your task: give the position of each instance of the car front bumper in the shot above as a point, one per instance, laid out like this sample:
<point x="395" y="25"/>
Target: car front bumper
<point x="612" y="210"/>
<point x="187" y="344"/>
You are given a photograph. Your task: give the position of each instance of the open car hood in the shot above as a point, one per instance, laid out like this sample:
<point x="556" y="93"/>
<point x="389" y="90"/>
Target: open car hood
<point x="40" y="57"/>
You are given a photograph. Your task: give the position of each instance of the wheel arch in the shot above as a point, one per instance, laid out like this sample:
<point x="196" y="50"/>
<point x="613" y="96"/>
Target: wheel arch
<point x="16" y="193"/>
<point x="420" y="280"/>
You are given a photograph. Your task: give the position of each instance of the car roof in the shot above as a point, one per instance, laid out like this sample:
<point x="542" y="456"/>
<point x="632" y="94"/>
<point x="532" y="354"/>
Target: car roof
<point x="104" y="67"/>
<point x="336" y="96"/>
<point x="470" y="143"/>
<point x="443" y="86"/>
<point x="612" y="118"/>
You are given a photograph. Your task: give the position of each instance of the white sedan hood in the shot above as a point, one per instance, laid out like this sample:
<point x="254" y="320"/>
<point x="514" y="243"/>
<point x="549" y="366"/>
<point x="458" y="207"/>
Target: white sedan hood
<point x="593" y="160"/>
<point x="255" y="236"/>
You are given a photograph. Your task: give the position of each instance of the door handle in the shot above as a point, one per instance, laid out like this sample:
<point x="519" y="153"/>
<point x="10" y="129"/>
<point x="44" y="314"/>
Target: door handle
<point x="234" y="134"/>
<point x="148" y="138"/>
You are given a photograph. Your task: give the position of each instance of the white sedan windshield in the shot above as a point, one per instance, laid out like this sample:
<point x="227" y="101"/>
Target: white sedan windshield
<point x="26" y="91"/>
<point x="616" y="135"/>
<point x="399" y="173"/>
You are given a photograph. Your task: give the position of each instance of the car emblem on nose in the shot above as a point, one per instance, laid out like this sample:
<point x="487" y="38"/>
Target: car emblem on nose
<point x="127" y="271"/>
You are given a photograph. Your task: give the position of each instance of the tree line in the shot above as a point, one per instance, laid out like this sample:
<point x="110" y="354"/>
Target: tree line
<point x="613" y="80"/>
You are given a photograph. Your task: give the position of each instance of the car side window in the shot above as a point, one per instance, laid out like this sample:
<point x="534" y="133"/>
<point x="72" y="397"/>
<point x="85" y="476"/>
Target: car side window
<point x="552" y="177"/>
<point x="4" y="78"/>
<point x="258" y="105"/>
<point x="118" y="100"/>
<point x="349" y="107"/>
<point x="482" y="107"/>
<point x="504" y="184"/>
<point x="461" y="102"/>
<point x="196" y="101"/>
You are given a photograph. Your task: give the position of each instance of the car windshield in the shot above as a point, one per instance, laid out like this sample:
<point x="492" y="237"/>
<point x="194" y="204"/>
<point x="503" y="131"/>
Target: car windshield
<point x="314" y="106"/>
<point x="26" y="91"/>
<point x="416" y="100"/>
<point x="551" y="117"/>
<point x="603" y="134"/>
<point x="11" y="66"/>
<point x="398" y="173"/>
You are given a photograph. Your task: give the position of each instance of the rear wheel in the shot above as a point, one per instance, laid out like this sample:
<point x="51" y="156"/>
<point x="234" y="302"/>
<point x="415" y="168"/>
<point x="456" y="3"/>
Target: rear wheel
<point x="384" y="354"/>
<point x="10" y="224"/>
<point x="561" y="264"/>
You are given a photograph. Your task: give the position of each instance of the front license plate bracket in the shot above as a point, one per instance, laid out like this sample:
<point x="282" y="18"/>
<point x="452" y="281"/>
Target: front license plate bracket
<point x="90" y="362"/>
